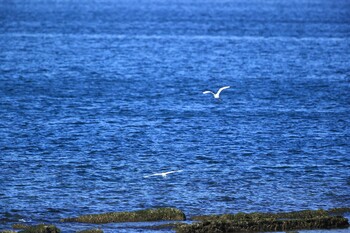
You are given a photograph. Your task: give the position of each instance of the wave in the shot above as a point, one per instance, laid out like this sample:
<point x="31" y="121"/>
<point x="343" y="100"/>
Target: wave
<point x="173" y="37"/>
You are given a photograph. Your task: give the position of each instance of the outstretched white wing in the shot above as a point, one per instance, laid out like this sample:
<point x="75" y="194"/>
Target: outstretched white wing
<point x="173" y="172"/>
<point x="208" y="92"/>
<point x="221" y="89"/>
<point x="164" y="174"/>
<point x="155" y="174"/>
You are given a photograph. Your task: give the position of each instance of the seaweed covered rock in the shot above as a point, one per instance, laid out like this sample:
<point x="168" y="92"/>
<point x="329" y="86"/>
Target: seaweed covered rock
<point x="91" y="231"/>
<point x="338" y="211"/>
<point x="19" y="226"/>
<point x="167" y="226"/>
<point x="41" y="228"/>
<point x="304" y="214"/>
<point x="241" y="222"/>
<point x="262" y="225"/>
<point x="158" y="214"/>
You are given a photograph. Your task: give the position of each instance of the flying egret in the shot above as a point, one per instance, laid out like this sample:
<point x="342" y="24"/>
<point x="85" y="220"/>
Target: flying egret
<point x="217" y="94"/>
<point x="163" y="174"/>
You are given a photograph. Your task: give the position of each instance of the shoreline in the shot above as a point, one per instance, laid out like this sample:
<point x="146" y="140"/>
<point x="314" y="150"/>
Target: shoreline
<point x="174" y="220"/>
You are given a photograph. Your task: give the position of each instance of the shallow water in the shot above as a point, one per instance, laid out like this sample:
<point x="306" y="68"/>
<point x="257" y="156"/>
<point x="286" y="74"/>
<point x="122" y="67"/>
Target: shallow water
<point x="96" y="95"/>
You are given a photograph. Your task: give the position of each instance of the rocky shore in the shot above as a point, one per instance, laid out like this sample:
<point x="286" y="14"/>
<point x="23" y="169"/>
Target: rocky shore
<point x="239" y="222"/>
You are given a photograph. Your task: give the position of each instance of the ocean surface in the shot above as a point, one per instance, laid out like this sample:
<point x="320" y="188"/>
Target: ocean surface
<point x="95" y="95"/>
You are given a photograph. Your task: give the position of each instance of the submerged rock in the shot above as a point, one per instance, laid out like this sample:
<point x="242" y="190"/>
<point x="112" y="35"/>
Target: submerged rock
<point x="41" y="228"/>
<point x="158" y="214"/>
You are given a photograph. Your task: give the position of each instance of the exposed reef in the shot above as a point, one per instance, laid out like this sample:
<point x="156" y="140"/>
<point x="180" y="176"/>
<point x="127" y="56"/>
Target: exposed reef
<point x="338" y="211"/>
<point x="260" y="222"/>
<point x="20" y="226"/>
<point x="91" y="231"/>
<point x="304" y="214"/>
<point x="219" y="226"/>
<point x="158" y="214"/>
<point x="41" y="228"/>
<point x="166" y="226"/>
<point x="239" y="222"/>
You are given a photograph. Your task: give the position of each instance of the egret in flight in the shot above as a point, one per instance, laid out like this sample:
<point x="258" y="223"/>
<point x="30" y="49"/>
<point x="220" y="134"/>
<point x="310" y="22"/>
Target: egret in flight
<point x="217" y="94"/>
<point x="163" y="174"/>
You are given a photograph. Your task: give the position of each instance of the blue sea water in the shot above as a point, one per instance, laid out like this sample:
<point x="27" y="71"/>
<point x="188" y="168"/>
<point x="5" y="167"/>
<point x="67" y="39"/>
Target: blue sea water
<point x="95" y="95"/>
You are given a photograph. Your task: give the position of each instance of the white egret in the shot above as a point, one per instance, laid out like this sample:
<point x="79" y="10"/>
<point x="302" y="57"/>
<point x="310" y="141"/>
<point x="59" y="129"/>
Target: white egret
<point x="163" y="174"/>
<point x="217" y="94"/>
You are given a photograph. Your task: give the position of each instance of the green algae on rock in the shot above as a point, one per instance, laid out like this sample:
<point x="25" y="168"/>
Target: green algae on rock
<point x="158" y="214"/>
<point x="262" y="225"/>
<point x="41" y="228"/>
